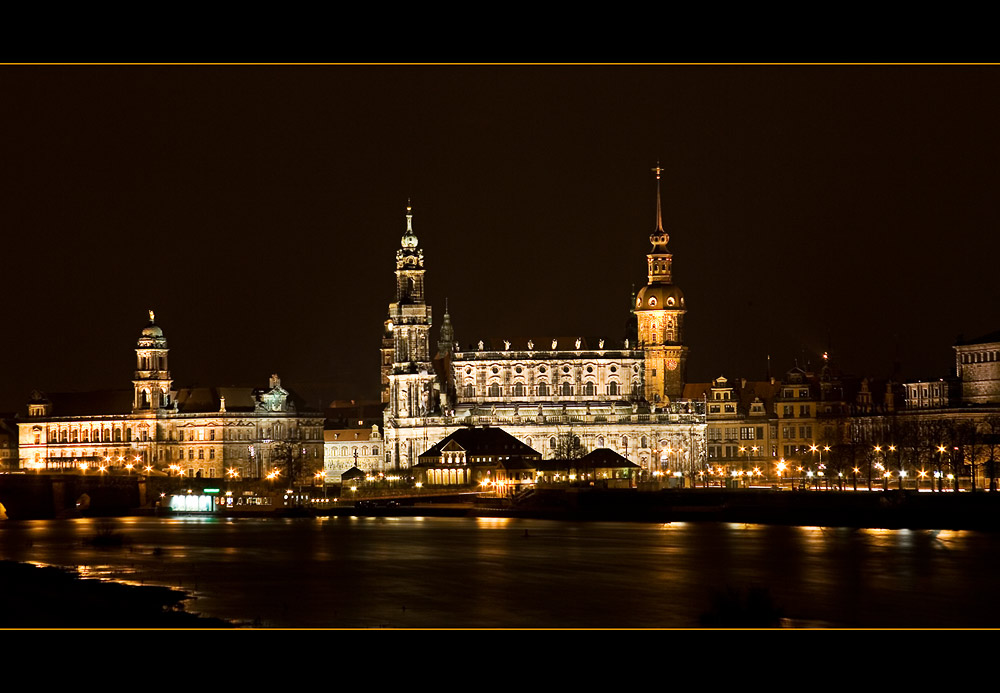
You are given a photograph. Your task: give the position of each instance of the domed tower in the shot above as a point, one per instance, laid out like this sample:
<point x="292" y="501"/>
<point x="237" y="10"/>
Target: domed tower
<point x="660" y="309"/>
<point x="152" y="375"/>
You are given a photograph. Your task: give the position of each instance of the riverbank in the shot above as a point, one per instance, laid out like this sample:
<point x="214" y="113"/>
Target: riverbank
<point x="47" y="597"/>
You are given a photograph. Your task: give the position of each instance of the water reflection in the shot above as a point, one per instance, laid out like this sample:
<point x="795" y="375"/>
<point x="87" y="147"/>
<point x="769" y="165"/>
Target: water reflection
<point x="441" y="572"/>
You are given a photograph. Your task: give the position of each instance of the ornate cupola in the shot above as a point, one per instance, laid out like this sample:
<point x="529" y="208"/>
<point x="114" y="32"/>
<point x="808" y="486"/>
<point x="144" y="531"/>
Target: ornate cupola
<point x="660" y="310"/>
<point x="152" y="380"/>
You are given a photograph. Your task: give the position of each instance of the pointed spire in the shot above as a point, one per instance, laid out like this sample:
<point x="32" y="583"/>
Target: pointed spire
<point x="659" y="216"/>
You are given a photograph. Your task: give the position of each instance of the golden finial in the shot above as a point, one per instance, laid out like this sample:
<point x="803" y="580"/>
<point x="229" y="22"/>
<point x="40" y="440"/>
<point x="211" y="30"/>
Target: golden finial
<point x="152" y="318"/>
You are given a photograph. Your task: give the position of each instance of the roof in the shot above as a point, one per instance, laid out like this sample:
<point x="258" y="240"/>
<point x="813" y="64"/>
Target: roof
<point x="486" y="441"/>
<point x="347" y="435"/>
<point x="193" y="400"/>
<point x="991" y="338"/>
<point x="544" y="343"/>
<point x="600" y="458"/>
<point x="95" y="403"/>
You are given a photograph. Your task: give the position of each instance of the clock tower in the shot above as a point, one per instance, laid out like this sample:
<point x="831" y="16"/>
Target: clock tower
<point x="660" y="309"/>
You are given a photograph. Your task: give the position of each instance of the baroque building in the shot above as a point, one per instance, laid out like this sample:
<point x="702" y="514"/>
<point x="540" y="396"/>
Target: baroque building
<point x="198" y="432"/>
<point x="587" y="392"/>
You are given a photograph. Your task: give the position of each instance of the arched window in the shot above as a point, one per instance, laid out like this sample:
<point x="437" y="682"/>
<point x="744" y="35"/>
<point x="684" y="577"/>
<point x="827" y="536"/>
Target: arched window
<point x="374" y="449"/>
<point x="552" y="443"/>
<point x="494" y="390"/>
<point x="600" y="441"/>
<point x="624" y="441"/>
<point x="527" y="441"/>
<point x="590" y="389"/>
<point x="519" y="389"/>
<point x="567" y="390"/>
<point x="644" y="443"/>
<point x="470" y="390"/>
<point x="543" y="389"/>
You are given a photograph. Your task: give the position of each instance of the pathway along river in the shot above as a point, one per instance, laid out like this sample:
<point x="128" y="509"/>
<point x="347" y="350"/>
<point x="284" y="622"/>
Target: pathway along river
<point x="465" y="572"/>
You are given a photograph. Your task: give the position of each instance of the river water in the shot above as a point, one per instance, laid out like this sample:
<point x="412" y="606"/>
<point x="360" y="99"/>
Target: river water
<point x="413" y="572"/>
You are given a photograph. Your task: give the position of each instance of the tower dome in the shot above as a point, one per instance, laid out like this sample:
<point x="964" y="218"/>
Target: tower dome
<point x="152" y="336"/>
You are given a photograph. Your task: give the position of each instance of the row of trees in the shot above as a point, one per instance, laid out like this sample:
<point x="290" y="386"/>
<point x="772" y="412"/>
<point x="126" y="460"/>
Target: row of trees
<point x="961" y="445"/>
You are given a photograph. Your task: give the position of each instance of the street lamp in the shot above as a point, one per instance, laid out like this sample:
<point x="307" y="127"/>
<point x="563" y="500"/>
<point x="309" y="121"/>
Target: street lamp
<point x="938" y="474"/>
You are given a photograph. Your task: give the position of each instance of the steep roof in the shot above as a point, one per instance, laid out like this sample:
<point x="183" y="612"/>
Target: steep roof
<point x="486" y="441"/>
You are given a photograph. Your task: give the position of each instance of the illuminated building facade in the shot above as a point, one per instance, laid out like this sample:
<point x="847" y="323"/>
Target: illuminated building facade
<point x="344" y="448"/>
<point x="200" y="432"/>
<point x="977" y="364"/>
<point x="623" y="395"/>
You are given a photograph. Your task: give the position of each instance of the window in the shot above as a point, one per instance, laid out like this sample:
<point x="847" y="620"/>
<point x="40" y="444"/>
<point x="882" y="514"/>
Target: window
<point x="747" y="433"/>
<point x="190" y="453"/>
<point x="519" y="389"/>
<point x="567" y="390"/>
<point x="590" y="389"/>
<point x="789" y="410"/>
<point x="804" y="411"/>
<point x="613" y="389"/>
<point x="543" y="390"/>
<point x="644" y="443"/>
<point x="494" y="390"/>
<point x="470" y="390"/>
<point x="211" y="434"/>
<point x="211" y="454"/>
<point x="552" y="443"/>
<point x="201" y="453"/>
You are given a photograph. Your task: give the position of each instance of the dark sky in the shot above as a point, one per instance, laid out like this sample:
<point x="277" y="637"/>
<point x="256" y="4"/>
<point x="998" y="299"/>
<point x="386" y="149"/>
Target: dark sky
<point x="257" y="209"/>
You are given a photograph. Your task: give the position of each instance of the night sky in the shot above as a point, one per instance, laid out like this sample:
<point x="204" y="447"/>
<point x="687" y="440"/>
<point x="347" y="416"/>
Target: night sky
<point x="257" y="210"/>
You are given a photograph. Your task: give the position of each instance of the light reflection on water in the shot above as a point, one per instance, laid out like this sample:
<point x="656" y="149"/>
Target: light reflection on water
<point x="447" y="572"/>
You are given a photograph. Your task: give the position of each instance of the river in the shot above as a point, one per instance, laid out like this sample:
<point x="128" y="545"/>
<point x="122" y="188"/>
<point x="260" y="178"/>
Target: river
<point x="414" y="572"/>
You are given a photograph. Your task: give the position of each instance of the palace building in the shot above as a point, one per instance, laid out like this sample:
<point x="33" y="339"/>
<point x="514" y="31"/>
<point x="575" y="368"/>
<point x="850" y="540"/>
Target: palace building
<point x="549" y="393"/>
<point x="200" y="432"/>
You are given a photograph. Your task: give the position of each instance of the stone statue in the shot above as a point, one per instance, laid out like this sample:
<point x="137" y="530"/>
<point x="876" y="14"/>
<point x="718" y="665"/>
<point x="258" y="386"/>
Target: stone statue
<point x="554" y="343"/>
<point x="577" y="342"/>
<point x="480" y="345"/>
<point x="626" y="344"/>
<point x="531" y="345"/>
<point x="506" y="345"/>
<point x="600" y="344"/>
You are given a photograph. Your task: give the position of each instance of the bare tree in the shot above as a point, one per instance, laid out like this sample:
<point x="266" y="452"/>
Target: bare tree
<point x="990" y="432"/>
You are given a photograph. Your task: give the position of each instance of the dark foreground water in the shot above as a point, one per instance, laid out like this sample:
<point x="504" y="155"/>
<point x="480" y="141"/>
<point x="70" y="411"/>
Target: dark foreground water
<point x="463" y="572"/>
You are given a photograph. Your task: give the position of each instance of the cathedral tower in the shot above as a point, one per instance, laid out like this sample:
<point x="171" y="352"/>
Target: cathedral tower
<point x="152" y="375"/>
<point x="659" y="308"/>
<point x="409" y="324"/>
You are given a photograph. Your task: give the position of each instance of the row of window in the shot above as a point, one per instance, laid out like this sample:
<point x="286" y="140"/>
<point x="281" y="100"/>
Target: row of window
<point x="98" y="435"/>
<point x="344" y="452"/>
<point x="981" y="357"/>
<point x="543" y="390"/>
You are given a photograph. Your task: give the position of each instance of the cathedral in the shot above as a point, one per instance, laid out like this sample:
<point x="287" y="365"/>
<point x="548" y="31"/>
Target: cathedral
<point x="557" y="395"/>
